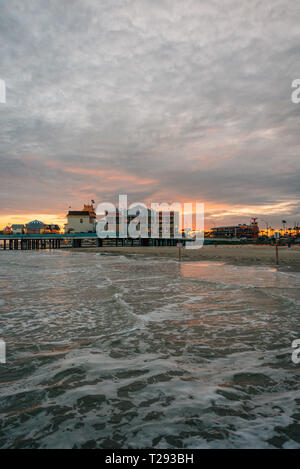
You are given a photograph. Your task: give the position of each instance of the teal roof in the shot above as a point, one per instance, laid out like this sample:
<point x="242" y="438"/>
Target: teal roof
<point x="35" y="224"/>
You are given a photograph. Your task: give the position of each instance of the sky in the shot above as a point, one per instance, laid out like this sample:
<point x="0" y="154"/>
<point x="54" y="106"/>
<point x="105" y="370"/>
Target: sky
<point x="162" y="100"/>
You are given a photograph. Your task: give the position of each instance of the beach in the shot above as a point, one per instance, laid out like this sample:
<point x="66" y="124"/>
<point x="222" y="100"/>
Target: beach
<point x="238" y="255"/>
<point x="132" y="351"/>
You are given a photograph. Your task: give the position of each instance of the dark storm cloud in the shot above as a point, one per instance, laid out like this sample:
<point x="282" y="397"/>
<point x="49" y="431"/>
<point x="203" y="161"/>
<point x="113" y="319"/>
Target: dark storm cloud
<point x="157" y="99"/>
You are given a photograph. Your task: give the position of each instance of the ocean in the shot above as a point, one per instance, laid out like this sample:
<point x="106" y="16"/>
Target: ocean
<point x="128" y="352"/>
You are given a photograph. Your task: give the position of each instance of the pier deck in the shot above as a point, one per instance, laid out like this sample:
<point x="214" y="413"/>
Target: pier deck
<point x="76" y="240"/>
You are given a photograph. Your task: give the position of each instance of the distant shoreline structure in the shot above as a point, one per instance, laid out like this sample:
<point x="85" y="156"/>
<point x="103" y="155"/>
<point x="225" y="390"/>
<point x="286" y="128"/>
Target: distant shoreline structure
<point x="85" y="221"/>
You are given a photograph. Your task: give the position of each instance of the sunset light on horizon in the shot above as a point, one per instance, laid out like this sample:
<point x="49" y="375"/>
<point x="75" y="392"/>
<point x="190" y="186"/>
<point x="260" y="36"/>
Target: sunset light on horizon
<point x="168" y="106"/>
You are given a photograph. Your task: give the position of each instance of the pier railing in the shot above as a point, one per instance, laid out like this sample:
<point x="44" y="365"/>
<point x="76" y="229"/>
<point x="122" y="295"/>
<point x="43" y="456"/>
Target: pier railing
<point x="76" y="240"/>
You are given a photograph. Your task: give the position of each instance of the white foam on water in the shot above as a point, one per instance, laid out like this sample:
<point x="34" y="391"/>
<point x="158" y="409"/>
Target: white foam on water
<point x="148" y="349"/>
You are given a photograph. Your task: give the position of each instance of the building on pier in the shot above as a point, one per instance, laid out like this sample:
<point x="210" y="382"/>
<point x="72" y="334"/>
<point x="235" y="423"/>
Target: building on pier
<point x="35" y="227"/>
<point x="18" y="229"/>
<point x="166" y="223"/>
<point x="81" y="221"/>
<point x="165" y="226"/>
<point x="51" y="229"/>
<point x="7" y="230"/>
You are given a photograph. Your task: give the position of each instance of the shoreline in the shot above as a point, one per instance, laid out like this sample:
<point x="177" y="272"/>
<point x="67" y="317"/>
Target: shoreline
<point x="237" y="255"/>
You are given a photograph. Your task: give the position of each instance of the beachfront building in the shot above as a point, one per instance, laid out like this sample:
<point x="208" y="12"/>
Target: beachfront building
<point x="81" y="221"/>
<point x="172" y="222"/>
<point x="84" y="221"/>
<point x="166" y="221"/>
<point x="237" y="231"/>
<point x="52" y="229"/>
<point x="18" y="229"/>
<point x="35" y="227"/>
<point x="7" y="230"/>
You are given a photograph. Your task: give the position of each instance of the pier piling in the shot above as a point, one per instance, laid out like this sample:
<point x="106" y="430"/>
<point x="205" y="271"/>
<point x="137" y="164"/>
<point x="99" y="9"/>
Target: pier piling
<point x="76" y="240"/>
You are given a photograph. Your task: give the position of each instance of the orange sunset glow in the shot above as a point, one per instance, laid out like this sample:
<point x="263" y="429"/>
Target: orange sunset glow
<point x="168" y="127"/>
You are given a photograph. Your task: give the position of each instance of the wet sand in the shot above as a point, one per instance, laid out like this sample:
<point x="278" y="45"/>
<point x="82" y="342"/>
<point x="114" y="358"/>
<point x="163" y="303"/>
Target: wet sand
<point x="110" y="351"/>
<point x="242" y="255"/>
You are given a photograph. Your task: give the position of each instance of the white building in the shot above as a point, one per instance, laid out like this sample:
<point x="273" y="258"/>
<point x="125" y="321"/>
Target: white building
<point x="81" y="221"/>
<point x="18" y="229"/>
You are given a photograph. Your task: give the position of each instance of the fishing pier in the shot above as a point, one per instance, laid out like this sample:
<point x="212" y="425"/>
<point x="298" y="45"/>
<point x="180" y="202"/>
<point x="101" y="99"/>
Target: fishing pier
<point x="26" y="242"/>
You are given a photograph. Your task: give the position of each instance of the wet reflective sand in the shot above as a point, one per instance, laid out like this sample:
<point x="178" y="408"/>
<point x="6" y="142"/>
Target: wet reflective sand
<point x="109" y="352"/>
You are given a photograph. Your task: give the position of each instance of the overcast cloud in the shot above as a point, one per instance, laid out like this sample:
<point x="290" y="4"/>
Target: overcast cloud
<point x="163" y="100"/>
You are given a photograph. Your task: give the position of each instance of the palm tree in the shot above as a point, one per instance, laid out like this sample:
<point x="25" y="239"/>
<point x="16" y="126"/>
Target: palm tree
<point x="284" y="222"/>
